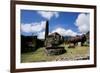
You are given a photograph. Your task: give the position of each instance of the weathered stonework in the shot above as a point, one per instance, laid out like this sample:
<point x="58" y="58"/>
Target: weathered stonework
<point x="55" y="50"/>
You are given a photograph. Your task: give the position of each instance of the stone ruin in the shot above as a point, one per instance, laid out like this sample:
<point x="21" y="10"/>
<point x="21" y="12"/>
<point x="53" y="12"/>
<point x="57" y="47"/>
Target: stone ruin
<point x="55" y="50"/>
<point x="52" y="41"/>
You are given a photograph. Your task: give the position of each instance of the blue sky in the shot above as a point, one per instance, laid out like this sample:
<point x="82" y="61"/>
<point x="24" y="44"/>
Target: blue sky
<point x="65" y="23"/>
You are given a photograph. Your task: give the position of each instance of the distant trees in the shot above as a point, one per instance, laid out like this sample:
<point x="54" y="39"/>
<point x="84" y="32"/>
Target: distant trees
<point x="88" y="37"/>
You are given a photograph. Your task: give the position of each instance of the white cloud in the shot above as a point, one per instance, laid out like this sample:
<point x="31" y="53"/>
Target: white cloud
<point x="83" y="22"/>
<point x="26" y="28"/>
<point x="65" y="32"/>
<point x="41" y="35"/>
<point x="33" y="27"/>
<point x="36" y="27"/>
<point x="47" y="14"/>
<point x="61" y="31"/>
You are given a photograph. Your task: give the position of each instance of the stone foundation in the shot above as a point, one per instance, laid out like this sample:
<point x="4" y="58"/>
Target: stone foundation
<point x="55" y="50"/>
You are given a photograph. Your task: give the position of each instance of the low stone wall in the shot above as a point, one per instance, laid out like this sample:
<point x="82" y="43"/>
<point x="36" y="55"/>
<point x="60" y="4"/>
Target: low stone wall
<point x="55" y="50"/>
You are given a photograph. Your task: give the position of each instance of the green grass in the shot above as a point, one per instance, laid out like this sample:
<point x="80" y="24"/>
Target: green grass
<point x="40" y="55"/>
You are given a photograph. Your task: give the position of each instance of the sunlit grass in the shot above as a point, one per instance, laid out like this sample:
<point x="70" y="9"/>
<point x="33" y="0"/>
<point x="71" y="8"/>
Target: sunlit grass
<point x="40" y="55"/>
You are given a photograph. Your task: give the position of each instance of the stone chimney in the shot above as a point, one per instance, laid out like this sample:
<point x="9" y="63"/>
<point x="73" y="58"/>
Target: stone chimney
<point x="46" y="29"/>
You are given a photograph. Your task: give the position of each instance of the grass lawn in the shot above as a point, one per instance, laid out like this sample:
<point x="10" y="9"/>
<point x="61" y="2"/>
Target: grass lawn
<point x="40" y="56"/>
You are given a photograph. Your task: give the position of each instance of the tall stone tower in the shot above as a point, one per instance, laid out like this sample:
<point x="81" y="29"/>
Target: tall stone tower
<point x="46" y="29"/>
